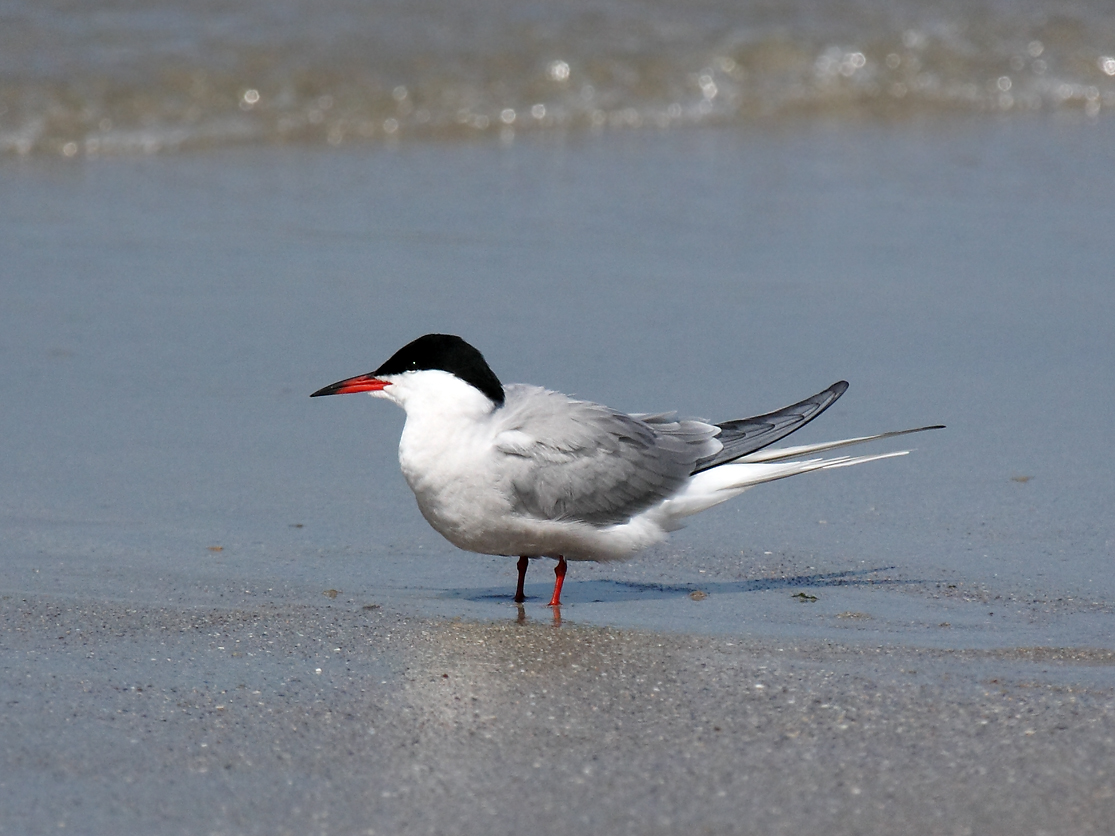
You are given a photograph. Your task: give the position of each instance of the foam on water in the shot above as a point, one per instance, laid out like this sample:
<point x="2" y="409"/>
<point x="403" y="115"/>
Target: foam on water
<point x="84" y="79"/>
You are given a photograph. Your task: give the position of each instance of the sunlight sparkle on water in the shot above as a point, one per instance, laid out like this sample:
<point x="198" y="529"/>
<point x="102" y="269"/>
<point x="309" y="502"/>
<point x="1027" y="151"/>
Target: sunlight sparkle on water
<point x="558" y="70"/>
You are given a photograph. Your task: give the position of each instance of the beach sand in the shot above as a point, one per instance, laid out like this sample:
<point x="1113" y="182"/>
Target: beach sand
<point x="343" y="719"/>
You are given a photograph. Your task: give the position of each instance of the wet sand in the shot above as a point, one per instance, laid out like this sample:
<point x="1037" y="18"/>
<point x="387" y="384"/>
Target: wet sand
<point x="357" y="719"/>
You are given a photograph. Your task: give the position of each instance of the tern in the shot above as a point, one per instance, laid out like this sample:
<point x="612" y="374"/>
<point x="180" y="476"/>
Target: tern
<point x="521" y="470"/>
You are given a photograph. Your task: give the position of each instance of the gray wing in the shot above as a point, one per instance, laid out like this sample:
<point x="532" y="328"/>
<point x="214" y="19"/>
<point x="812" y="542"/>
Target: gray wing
<point x="750" y="434"/>
<point x="583" y="461"/>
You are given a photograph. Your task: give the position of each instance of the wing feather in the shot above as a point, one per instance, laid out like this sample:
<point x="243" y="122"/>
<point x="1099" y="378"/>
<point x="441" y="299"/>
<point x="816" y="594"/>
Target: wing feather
<point x="585" y="462"/>
<point x="750" y="434"/>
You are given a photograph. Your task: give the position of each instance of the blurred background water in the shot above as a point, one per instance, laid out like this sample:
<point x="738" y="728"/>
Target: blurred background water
<point x="80" y="78"/>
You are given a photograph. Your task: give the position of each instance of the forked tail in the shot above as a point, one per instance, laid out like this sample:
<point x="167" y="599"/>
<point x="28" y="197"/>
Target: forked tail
<point x="721" y="482"/>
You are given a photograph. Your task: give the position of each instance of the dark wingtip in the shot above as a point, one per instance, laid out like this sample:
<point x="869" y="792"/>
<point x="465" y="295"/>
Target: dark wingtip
<point x="755" y="433"/>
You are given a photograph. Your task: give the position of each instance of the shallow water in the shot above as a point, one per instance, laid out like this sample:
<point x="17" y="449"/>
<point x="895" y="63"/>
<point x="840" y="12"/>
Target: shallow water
<point x="165" y="320"/>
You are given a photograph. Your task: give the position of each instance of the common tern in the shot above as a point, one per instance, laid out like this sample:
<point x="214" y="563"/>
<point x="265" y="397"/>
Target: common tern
<point x="521" y="470"/>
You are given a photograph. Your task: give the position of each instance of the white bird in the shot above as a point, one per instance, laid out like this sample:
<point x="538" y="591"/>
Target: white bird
<point x="520" y="470"/>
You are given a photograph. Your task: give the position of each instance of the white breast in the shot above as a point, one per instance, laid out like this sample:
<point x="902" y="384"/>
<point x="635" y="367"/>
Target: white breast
<point x="447" y="457"/>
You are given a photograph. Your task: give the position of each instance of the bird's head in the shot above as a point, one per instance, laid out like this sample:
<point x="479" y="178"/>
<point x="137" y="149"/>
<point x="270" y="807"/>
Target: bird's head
<point x="431" y="367"/>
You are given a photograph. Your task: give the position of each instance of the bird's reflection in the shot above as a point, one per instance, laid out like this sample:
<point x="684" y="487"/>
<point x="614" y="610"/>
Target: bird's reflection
<point x="521" y="615"/>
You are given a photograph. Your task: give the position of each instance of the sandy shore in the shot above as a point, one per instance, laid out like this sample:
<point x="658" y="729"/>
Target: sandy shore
<point x="346" y="719"/>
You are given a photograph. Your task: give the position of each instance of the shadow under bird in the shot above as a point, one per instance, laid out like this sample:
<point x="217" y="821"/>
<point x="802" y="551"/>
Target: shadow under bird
<point x="521" y="470"/>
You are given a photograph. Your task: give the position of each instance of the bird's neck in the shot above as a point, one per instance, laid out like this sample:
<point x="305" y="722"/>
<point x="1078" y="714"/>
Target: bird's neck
<point x="446" y="419"/>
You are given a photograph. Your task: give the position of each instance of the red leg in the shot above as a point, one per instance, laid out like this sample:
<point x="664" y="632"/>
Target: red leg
<point x="519" y="595"/>
<point x="559" y="579"/>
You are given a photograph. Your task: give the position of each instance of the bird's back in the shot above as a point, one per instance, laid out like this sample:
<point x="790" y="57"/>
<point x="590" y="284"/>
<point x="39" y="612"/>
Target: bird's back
<point x="584" y="462"/>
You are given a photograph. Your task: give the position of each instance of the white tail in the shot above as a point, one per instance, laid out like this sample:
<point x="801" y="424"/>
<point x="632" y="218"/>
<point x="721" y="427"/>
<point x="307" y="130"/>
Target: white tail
<point x="782" y="453"/>
<point x="721" y="483"/>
